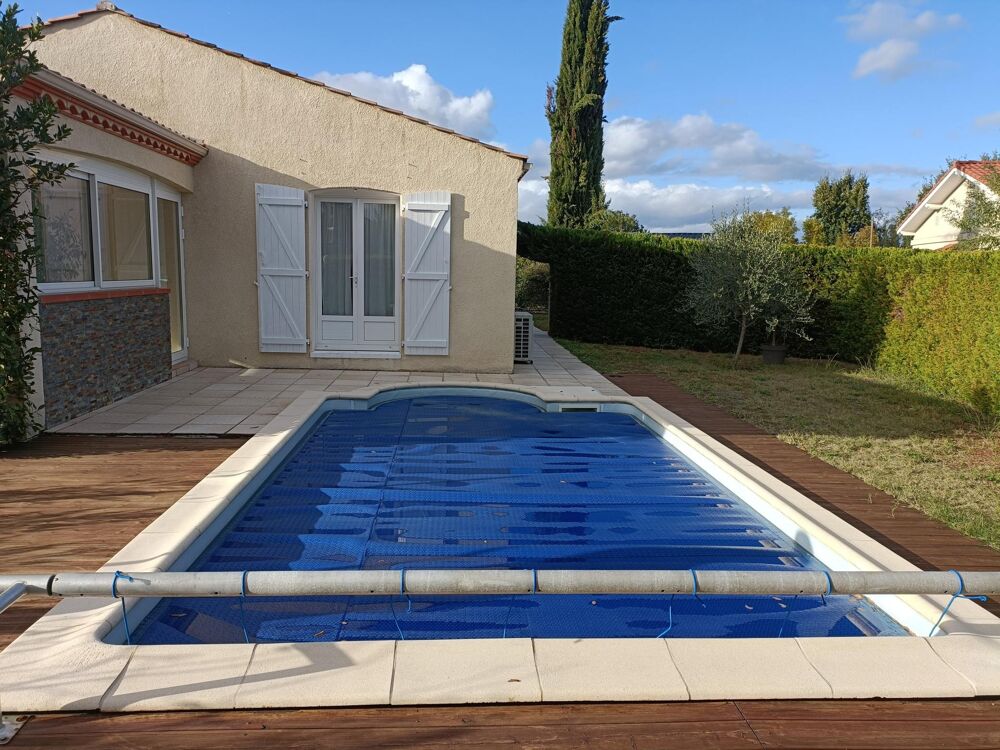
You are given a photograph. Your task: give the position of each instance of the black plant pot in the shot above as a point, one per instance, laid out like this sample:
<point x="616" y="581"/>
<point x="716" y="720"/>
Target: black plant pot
<point x="773" y="354"/>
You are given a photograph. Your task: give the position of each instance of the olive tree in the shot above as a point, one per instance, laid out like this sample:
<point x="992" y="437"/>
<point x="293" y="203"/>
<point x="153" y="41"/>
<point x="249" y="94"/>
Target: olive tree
<point x="23" y="128"/>
<point x="743" y="276"/>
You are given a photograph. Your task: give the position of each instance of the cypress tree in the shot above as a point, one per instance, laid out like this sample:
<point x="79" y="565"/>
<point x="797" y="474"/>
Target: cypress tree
<point x="575" y="110"/>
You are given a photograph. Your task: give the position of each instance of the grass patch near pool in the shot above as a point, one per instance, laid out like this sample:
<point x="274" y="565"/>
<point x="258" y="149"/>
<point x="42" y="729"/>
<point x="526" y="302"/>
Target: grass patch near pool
<point x="928" y="452"/>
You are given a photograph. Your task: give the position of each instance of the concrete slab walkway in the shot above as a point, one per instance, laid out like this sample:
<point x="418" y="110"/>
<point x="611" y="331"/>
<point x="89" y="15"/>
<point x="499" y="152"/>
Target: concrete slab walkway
<point x="234" y="401"/>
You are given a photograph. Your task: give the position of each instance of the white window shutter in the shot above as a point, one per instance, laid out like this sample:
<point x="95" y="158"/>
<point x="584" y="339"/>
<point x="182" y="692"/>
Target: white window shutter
<point x="281" y="268"/>
<point x="427" y="278"/>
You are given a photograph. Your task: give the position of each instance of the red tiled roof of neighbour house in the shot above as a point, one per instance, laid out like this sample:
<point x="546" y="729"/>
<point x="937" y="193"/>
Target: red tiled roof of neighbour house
<point x="107" y="7"/>
<point x="980" y="170"/>
<point x="84" y="104"/>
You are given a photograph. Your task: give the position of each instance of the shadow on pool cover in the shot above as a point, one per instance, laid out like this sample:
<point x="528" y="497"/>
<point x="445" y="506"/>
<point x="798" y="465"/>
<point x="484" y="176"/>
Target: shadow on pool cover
<point x="484" y="482"/>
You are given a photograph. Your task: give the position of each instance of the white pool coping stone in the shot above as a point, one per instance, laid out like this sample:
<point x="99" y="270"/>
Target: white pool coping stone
<point x="61" y="662"/>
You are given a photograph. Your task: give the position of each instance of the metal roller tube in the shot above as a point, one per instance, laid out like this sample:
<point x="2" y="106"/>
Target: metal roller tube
<point x="503" y="582"/>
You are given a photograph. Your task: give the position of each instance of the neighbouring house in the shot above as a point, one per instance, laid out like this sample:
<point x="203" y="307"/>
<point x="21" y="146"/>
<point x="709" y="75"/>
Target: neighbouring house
<point x="930" y="223"/>
<point x="312" y="228"/>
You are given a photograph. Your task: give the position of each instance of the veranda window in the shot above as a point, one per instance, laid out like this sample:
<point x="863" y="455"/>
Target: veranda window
<point x="65" y="233"/>
<point x="126" y="245"/>
<point x="99" y="227"/>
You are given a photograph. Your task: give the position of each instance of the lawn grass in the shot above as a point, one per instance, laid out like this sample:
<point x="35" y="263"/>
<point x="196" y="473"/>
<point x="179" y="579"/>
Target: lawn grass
<point x="927" y="452"/>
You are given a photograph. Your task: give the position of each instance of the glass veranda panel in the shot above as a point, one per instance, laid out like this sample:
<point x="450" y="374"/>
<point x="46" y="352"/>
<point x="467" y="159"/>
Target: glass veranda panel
<point x="126" y="246"/>
<point x="65" y="234"/>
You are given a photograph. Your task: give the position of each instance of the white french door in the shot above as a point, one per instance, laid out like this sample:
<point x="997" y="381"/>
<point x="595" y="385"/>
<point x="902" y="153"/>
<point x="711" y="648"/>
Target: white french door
<point x="356" y="287"/>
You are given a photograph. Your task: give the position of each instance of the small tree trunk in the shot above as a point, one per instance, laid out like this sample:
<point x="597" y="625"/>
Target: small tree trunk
<point x="739" y="344"/>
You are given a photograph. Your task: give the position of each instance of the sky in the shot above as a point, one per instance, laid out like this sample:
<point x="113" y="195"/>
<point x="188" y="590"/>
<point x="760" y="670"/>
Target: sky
<point x="709" y="104"/>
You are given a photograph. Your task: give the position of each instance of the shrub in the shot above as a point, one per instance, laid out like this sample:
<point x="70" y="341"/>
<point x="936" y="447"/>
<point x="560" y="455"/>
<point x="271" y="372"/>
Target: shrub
<point x="531" y="289"/>
<point x="23" y="128"/>
<point x="927" y="316"/>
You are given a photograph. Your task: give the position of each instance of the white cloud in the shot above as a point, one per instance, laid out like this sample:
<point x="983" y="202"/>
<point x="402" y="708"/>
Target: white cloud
<point x="532" y="200"/>
<point x="898" y="25"/>
<point x="415" y="92"/>
<point x="691" y="207"/>
<point x="988" y="122"/>
<point x="679" y="208"/>
<point x="894" y="19"/>
<point x="697" y="144"/>
<point x="892" y="59"/>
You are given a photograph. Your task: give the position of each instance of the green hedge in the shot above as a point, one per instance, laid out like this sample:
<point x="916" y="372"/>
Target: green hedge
<point x="931" y="317"/>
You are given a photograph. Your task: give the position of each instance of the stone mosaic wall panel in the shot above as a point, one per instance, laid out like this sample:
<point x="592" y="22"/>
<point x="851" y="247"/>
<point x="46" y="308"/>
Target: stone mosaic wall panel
<point x="95" y="351"/>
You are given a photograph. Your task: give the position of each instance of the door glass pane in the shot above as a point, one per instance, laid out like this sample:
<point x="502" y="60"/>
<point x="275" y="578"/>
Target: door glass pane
<point x="126" y="249"/>
<point x="380" y="257"/>
<point x="336" y="261"/>
<point x="64" y="233"/>
<point x="169" y="236"/>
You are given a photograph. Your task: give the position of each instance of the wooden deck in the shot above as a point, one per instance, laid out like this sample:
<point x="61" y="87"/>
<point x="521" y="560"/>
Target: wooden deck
<point x="70" y="502"/>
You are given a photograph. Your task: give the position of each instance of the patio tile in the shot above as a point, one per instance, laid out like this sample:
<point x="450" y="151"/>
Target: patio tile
<point x="611" y="669"/>
<point x="356" y="375"/>
<point x="201" y="429"/>
<point x="95" y="427"/>
<point x="163" y="417"/>
<point x="461" y="377"/>
<point x="975" y="657"/>
<point x="218" y="419"/>
<point x="488" y="670"/>
<point x="746" y="668"/>
<point x="112" y="416"/>
<point x="903" y="667"/>
<point x="171" y="678"/>
<point x="292" y="675"/>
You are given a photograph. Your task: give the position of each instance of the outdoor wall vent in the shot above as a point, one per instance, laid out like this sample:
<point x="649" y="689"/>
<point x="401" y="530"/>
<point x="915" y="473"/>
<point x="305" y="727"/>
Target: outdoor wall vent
<point x="522" y="337"/>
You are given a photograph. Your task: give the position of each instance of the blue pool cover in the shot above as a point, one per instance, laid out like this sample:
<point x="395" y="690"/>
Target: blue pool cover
<point x="484" y="482"/>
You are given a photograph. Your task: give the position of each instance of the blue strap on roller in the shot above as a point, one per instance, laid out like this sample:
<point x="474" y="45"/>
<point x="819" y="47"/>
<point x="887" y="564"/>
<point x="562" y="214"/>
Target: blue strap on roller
<point x="114" y="593"/>
<point x="243" y="595"/>
<point x="959" y="594"/>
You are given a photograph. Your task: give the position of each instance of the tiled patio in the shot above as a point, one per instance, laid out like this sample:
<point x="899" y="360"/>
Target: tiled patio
<point x="224" y="400"/>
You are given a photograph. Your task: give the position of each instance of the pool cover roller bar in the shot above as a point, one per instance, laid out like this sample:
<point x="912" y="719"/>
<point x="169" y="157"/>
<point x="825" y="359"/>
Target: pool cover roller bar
<point x="494" y="582"/>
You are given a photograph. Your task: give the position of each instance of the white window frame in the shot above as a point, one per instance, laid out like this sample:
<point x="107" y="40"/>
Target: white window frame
<point x="164" y="192"/>
<point x="97" y="171"/>
<point x="59" y="287"/>
<point x="356" y="197"/>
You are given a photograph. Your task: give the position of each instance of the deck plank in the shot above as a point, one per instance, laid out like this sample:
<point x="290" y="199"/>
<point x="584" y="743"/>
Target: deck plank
<point x="75" y="500"/>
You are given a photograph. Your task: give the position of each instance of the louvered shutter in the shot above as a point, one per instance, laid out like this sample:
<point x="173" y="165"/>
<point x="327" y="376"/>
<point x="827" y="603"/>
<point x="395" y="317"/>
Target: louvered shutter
<point x="427" y="278"/>
<point x="281" y="268"/>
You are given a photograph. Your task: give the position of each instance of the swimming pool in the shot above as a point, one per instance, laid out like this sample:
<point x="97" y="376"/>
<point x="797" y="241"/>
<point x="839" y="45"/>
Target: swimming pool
<point x="505" y="512"/>
<point x="475" y="480"/>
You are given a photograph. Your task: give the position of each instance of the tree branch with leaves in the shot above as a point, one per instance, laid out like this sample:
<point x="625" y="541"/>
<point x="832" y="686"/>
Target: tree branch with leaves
<point x="24" y="126"/>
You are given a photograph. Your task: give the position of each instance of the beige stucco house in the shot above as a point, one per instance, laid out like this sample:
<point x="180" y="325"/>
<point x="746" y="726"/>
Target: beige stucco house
<point x="315" y="229"/>
<point x="930" y="223"/>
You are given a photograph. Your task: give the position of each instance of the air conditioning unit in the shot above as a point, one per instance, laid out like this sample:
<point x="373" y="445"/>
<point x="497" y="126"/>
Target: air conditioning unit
<point x="522" y="337"/>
